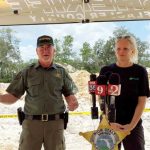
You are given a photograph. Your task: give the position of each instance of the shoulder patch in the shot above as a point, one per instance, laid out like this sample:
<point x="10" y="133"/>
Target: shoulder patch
<point x="59" y="66"/>
<point x="58" y="74"/>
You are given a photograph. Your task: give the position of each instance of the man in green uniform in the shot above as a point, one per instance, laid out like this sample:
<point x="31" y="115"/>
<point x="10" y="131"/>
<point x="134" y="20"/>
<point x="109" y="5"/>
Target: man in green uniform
<point x="45" y="84"/>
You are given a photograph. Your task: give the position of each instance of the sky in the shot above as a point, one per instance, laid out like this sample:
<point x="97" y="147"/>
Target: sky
<point x="89" y="32"/>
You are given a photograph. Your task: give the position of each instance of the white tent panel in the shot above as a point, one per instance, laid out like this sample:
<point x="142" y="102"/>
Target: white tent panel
<point x="17" y="12"/>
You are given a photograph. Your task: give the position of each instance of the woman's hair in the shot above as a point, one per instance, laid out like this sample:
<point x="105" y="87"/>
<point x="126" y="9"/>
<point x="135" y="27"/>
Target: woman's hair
<point x="132" y="41"/>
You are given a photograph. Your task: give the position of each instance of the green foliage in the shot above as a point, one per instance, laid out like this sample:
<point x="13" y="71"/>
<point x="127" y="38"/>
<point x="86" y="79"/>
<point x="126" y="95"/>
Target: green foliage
<point x="86" y="52"/>
<point x="145" y="59"/>
<point x="64" y="52"/>
<point x="89" y="58"/>
<point x="10" y="58"/>
<point x="27" y="63"/>
<point x="102" y="52"/>
<point x="58" y="50"/>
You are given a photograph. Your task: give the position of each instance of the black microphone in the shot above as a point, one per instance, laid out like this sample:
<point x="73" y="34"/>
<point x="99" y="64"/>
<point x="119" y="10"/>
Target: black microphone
<point x="101" y="91"/>
<point x="108" y="74"/>
<point x="114" y="89"/>
<point x="92" y="88"/>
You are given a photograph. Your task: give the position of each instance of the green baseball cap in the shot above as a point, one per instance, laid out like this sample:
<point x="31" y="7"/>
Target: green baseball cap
<point x="44" y="39"/>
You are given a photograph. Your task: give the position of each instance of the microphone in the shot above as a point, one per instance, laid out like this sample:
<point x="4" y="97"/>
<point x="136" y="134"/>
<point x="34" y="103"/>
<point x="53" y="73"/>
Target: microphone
<point x="114" y="89"/>
<point x="92" y="88"/>
<point x="108" y="74"/>
<point x="101" y="91"/>
<point x="92" y="84"/>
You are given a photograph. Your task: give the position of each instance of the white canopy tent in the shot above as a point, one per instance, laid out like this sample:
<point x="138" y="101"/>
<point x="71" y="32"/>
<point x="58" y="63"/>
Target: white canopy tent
<point x="24" y="12"/>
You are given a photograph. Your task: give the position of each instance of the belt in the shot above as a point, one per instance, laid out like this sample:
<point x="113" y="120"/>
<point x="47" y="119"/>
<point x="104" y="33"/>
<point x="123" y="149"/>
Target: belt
<point x="45" y="117"/>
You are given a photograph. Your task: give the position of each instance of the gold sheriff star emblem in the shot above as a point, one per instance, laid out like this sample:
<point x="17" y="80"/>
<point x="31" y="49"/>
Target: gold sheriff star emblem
<point x="104" y="138"/>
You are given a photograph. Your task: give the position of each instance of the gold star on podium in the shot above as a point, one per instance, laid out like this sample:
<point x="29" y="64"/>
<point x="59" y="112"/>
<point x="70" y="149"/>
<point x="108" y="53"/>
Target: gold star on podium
<point x="104" y="138"/>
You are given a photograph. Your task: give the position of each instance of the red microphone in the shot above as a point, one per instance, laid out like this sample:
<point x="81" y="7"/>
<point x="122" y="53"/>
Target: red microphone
<point x="101" y="91"/>
<point x="92" y="84"/>
<point x="101" y="86"/>
<point x="92" y="88"/>
<point x="114" y="87"/>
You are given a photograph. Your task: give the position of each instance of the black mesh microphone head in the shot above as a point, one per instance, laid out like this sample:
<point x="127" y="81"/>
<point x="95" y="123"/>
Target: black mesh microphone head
<point x="92" y="77"/>
<point x="107" y="74"/>
<point x="114" y="79"/>
<point x="101" y="80"/>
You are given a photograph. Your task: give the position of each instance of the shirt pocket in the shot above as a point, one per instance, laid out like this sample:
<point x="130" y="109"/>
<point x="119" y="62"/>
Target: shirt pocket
<point x="33" y="87"/>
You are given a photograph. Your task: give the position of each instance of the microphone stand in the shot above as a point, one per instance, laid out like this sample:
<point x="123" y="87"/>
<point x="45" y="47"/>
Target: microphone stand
<point x="113" y="91"/>
<point x="101" y="91"/>
<point x="112" y="110"/>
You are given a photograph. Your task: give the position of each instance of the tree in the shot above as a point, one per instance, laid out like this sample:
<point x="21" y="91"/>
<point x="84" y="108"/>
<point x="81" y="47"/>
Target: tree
<point x="64" y="52"/>
<point x="98" y="51"/>
<point x="146" y="59"/>
<point x="67" y="54"/>
<point x="86" y="52"/>
<point x="105" y="51"/>
<point x="87" y="58"/>
<point x="9" y="55"/>
<point x="106" y="55"/>
<point x="58" y="50"/>
<point x="142" y="52"/>
<point x="102" y="52"/>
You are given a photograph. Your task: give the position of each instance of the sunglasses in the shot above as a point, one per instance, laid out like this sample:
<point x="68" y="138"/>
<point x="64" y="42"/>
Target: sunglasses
<point x="124" y="37"/>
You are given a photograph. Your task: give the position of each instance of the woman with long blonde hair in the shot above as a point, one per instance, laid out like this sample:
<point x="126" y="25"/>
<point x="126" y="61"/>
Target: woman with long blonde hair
<point x="130" y="103"/>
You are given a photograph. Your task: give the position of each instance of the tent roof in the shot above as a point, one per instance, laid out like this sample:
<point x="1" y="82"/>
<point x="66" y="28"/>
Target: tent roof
<point x="23" y="12"/>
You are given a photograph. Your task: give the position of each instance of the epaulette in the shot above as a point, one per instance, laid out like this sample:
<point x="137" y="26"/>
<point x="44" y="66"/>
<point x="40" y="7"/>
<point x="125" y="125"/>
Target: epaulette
<point x="28" y="67"/>
<point x="59" y="66"/>
<point x="31" y="65"/>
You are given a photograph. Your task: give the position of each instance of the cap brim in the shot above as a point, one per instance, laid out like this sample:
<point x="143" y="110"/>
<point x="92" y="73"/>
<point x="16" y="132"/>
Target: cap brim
<point x="44" y="43"/>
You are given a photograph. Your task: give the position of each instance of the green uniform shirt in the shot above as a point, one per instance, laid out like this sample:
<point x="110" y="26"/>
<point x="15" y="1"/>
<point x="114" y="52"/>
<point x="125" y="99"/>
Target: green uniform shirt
<point x="44" y="89"/>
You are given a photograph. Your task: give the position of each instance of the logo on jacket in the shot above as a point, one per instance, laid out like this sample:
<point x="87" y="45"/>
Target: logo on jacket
<point x="134" y="78"/>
